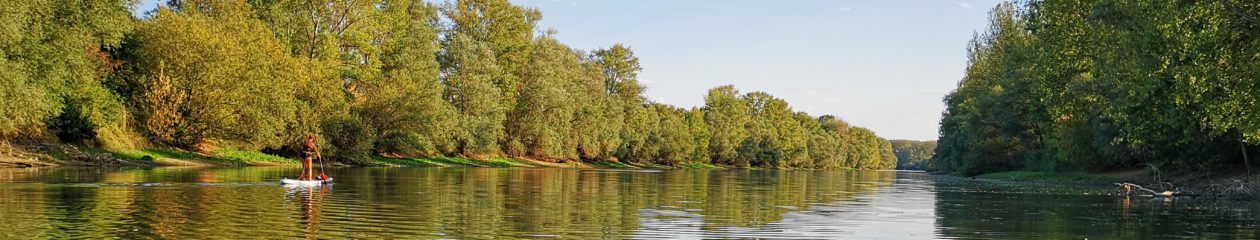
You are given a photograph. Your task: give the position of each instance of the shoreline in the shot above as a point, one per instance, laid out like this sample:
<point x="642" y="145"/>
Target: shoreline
<point x="1235" y="186"/>
<point x="68" y="155"/>
<point x="1217" y="186"/>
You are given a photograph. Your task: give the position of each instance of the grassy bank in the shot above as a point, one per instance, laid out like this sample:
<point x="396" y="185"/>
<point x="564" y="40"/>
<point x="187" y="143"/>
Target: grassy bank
<point x="219" y="157"/>
<point x="499" y="162"/>
<point x="452" y="162"/>
<point x="53" y="154"/>
<point x="74" y="155"/>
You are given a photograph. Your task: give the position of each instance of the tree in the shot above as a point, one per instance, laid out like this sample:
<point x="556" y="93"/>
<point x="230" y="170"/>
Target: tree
<point x="619" y="70"/>
<point x="405" y="106"/>
<point x="507" y="30"/>
<point x="228" y="67"/>
<point x="727" y="116"/>
<point x="700" y="136"/>
<point x="540" y="124"/>
<point x="470" y="76"/>
<point x="1097" y="85"/>
<point x="55" y="56"/>
<point x="913" y="155"/>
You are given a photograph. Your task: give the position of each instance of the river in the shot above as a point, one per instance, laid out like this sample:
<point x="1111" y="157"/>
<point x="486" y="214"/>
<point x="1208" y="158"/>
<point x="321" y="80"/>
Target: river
<point x="479" y="203"/>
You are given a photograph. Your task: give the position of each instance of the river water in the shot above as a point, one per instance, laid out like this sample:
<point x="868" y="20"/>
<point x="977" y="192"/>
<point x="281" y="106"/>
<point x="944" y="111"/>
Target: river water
<point x="480" y="203"/>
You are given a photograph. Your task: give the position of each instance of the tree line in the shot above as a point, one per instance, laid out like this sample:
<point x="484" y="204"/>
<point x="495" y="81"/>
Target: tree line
<point x="914" y="155"/>
<point x="1098" y="85"/>
<point x="472" y="78"/>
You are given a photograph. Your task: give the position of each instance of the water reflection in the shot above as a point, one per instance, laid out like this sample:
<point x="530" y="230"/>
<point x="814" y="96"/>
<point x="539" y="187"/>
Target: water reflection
<point x="542" y="203"/>
<point x="1072" y="215"/>
<point x="310" y="200"/>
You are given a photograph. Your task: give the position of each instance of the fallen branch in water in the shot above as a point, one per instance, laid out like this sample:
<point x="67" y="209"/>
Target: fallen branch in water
<point x="1129" y="188"/>
<point x="1234" y="187"/>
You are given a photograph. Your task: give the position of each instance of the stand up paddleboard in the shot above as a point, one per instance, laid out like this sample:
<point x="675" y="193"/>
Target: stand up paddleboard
<point x="295" y="182"/>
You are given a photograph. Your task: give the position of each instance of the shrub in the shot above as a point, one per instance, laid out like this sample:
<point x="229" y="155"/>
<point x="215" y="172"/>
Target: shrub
<point x="349" y="140"/>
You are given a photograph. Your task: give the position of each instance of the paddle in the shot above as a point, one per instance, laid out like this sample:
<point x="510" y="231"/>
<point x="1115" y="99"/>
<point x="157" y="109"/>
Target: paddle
<point x="321" y="168"/>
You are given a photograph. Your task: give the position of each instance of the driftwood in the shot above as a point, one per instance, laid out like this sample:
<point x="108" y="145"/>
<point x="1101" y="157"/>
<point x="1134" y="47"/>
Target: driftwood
<point x="1130" y="188"/>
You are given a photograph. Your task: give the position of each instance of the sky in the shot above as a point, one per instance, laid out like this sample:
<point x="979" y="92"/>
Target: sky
<point x="884" y="65"/>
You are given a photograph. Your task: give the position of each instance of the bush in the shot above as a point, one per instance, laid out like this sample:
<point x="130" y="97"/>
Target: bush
<point x="72" y="126"/>
<point x="349" y="140"/>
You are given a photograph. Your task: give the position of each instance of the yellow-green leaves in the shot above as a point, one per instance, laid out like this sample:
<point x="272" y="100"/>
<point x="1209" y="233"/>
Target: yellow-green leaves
<point x="233" y="74"/>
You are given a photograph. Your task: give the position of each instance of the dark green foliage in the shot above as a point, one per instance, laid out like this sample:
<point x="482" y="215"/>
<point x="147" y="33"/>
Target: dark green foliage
<point x="72" y="126"/>
<point x="348" y="140"/>
<point x="1098" y="85"/>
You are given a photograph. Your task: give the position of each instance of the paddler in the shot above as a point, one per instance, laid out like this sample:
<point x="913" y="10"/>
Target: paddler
<point x="310" y="152"/>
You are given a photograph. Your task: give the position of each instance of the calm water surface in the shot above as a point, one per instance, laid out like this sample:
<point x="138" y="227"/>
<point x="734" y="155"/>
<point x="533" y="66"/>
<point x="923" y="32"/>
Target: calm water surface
<point x="478" y="203"/>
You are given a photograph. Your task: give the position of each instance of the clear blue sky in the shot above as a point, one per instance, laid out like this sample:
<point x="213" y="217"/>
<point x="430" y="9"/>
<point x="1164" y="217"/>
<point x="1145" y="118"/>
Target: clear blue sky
<point x="884" y="65"/>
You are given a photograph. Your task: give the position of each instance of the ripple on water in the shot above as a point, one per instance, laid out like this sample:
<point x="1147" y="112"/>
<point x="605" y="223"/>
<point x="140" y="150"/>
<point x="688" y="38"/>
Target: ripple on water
<point x="408" y="203"/>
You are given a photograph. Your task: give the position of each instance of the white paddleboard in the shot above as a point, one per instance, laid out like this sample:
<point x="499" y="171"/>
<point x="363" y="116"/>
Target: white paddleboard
<point x="295" y="182"/>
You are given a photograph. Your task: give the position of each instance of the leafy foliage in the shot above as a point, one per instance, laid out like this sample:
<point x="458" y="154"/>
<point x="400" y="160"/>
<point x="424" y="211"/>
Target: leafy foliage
<point x="405" y="79"/>
<point x="913" y="155"/>
<point x="1095" y="85"/>
<point x="349" y="140"/>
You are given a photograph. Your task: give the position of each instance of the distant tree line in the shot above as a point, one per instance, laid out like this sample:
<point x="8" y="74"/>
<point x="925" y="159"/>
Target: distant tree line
<point x="471" y="78"/>
<point x="914" y="155"/>
<point x="1097" y="85"/>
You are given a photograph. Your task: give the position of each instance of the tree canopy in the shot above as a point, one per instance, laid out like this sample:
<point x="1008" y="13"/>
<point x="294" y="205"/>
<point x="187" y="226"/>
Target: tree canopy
<point x="1098" y="85"/>
<point x="472" y="78"/>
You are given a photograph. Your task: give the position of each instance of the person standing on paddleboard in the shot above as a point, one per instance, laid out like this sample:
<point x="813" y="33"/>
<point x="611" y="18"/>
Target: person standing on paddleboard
<point x="308" y="166"/>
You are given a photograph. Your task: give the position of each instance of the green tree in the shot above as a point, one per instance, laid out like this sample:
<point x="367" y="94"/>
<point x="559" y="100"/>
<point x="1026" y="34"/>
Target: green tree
<point x="671" y="138"/>
<point x="54" y="56"/>
<point x="598" y="123"/>
<point x="470" y="76"/>
<point x="229" y="69"/>
<point x="774" y="135"/>
<point x="507" y="30"/>
<point x="700" y="136"/>
<point x="620" y="69"/>
<point x="405" y="106"/>
<point x="727" y="116"/>
<point x="541" y="123"/>
<point x="913" y="155"/>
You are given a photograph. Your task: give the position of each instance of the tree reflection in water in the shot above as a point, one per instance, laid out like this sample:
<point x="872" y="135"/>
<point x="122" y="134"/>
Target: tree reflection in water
<point x="310" y="201"/>
<point x="391" y="203"/>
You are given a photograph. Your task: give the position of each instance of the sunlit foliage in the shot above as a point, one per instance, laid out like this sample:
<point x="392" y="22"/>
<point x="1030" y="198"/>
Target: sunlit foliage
<point x="406" y="78"/>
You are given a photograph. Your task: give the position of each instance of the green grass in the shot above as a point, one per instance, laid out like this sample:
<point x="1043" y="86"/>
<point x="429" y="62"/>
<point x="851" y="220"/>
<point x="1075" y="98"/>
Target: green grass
<point x="657" y="166"/>
<point x="57" y="154"/>
<point x="404" y="162"/>
<point x="1046" y="176"/>
<point x="451" y="161"/>
<point x="458" y="161"/>
<point x="222" y="156"/>
<point x="508" y="162"/>
<point x="252" y="158"/>
<point x="157" y="153"/>
<point x="610" y="164"/>
<point x="700" y="166"/>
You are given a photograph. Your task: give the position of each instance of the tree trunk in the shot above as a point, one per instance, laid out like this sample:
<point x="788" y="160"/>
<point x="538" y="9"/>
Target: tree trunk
<point x="1246" y="160"/>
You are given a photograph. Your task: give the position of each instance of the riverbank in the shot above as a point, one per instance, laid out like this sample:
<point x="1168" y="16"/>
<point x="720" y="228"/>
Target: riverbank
<point x="1214" y="185"/>
<point x="50" y="155"/>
